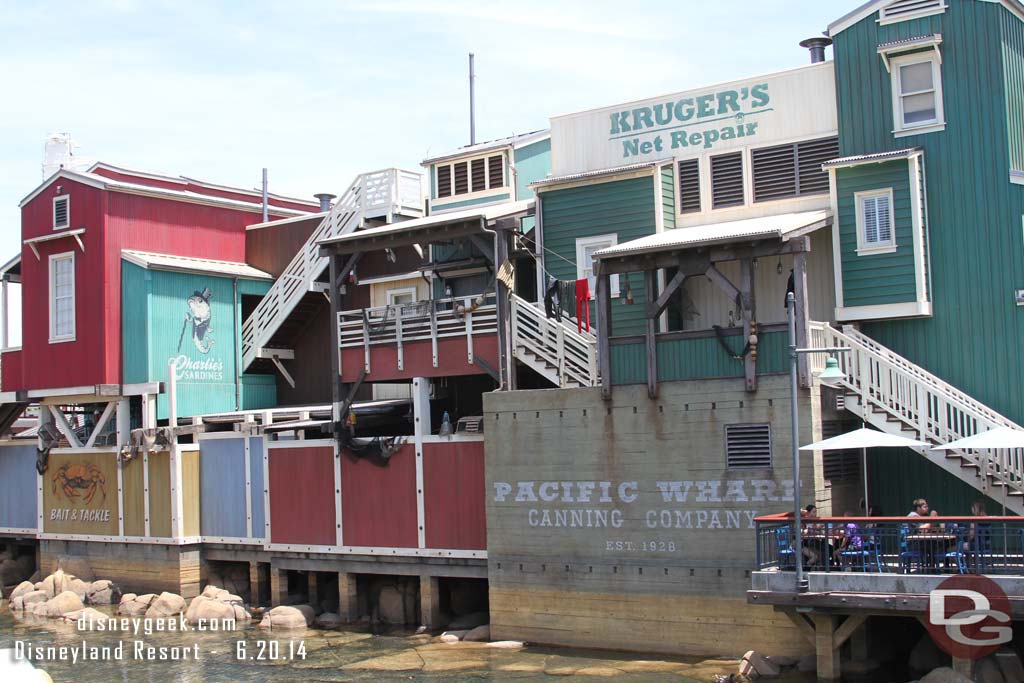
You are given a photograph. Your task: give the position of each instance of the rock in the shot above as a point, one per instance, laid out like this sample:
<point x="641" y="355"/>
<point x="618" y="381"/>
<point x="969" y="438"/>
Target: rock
<point x="479" y="634"/>
<point x="76" y="566"/>
<point x="102" y="592"/>
<point x="926" y="655"/>
<point x="782" y="661"/>
<point x="213" y="592"/>
<point x="506" y="644"/>
<point x="23" y="588"/>
<point x="167" y="605"/>
<point x="987" y="671"/>
<point x="56" y="583"/>
<point x="60" y="605"/>
<point x="241" y="616"/>
<point x="452" y="636"/>
<point x="944" y="674"/>
<point x="209" y="611"/>
<point x="756" y="662"/>
<point x="307" y="612"/>
<point x="328" y="620"/>
<point x="1010" y="664"/>
<point x="36" y="577"/>
<point x="137" y="606"/>
<point x="10" y="572"/>
<point x="469" y="621"/>
<point x="22" y="602"/>
<point x="286" y="617"/>
<point x="391" y="605"/>
<point x="87" y="617"/>
<point x="78" y="587"/>
<point x="807" y="664"/>
<point x="231" y="599"/>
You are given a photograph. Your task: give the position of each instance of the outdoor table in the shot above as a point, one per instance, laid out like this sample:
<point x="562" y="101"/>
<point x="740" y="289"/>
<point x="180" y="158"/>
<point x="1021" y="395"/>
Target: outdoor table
<point x="930" y="546"/>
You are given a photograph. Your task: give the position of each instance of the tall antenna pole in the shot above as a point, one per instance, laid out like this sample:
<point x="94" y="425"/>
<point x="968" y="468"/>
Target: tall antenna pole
<point x="472" y="102"/>
<point x="265" y="198"/>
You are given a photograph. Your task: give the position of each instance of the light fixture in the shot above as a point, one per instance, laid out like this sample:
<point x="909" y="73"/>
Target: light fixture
<point x="447" y="290"/>
<point x="627" y="293"/>
<point x="390" y="254"/>
<point x="778" y="268"/>
<point x="831" y="375"/>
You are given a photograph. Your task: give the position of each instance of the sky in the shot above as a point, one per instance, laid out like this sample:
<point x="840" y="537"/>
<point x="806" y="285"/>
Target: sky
<point x="320" y="92"/>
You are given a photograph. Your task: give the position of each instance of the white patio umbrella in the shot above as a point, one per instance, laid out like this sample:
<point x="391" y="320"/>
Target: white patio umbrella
<point x="863" y="439"/>
<point x="997" y="438"/>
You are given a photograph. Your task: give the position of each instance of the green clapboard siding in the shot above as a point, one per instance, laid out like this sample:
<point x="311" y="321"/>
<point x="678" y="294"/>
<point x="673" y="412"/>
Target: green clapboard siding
<point x="533" y="163"/>
<point x="1013" y="68"/>
<point x="467" y="203"/>
<point x="135" y="284"/>
<point x="873" y="279"/>
<point x="976" y="248"/>
<point x="668" y="197"/>
<point x="703" y="358"/>
<point x="621" y="207"/>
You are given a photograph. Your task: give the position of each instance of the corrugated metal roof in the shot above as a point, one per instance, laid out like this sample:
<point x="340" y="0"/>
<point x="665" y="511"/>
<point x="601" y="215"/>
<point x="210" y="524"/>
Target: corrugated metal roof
<point x="750" y="229"/>
<point x="871" y="158"/>
<point x="513" y="140"/>
<point x="909" y="43"/>
<point x="189" y="264"/>
<point x="585" y="175"/>
<point x="485" y="213"/>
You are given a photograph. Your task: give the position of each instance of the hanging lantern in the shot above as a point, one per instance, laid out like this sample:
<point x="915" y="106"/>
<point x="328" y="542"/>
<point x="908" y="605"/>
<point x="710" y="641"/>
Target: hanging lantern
<point x="628" y="292"/>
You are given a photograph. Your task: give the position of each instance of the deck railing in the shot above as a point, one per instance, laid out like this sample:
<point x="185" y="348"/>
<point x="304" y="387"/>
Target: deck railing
<point x="555" y="349"/>
<point x="432" y="320"/>
<point x="894" y="545"/>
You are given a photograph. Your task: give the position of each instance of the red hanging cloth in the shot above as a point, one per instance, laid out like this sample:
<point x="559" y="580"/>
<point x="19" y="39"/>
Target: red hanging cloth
<point x="582" y="304"/>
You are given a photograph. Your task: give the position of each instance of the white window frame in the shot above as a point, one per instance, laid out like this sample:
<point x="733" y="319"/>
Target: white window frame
<point x="603" y="241"/>
<point x="901" y="129"/>
<point x="56" y="199"/>
<point x="392" y="293"/>
<point x="469" y="170"/>
<point x="863" y="246"/>
<point x="54" y="337"/>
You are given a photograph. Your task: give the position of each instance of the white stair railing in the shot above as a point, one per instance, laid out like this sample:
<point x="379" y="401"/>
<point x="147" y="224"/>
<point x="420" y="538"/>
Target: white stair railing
<point x="554" y="349"/>
<point x="921" y="402"/>
<point x="380" y="193"/>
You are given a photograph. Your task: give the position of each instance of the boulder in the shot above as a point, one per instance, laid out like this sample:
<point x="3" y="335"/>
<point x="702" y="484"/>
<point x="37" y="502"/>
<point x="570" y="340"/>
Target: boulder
<point x="22" y="602"/>
<point x="782" y="661"/>
<point x="207" y="611"/>
<point x="167" y="605"/>
<point x="213" y="592"/>
<point x="60" y="605"/>
<point x="926" y="655"/>
<point x="506" y="644"/>
<point x="452" y="636"/>
<point x="56" y="583"/>
<point x="78" y="587"/>
<point x="754" y="664"/>
<point x="807" y="664"/>
<point x="1010" y="664"/>
<point x="241" y="616"/>
<point x="328" y="620"/>
<point x="286" y="617"/>
<point x="102" y="592"/>
<point x="87" y="617"/>
<point x="23" y="588"/>
<point x="76" y="566"/>
<point x="10" y="572"/>
<point x="135" y="606"/>
<point x="944" y="674"/>
<point x="36" y="577"/>
<point x="391" y="605"/>
<point x="479" y="634"/>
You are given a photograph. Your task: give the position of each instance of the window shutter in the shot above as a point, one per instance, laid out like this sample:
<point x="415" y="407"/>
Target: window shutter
<point x="461" y="177"/>
<point x="775" y="172"/>
<point x="479" y="174"/>
<point x="727" y="180"/>
<point x="444" y="181"/>
<point x="810" y="156"/>
<point x="884" y="219"/>
<point x="689" y="186"/>
<point x="495" y="171"/>
<point x="900" y="8"/>
<point x="871" y="220"/>
<point x="60" y="213"/>
<point x="748" y="446"/>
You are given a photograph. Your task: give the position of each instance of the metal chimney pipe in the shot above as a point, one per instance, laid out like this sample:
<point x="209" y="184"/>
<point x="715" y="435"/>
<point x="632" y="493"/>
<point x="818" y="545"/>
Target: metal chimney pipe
<point x="472" y="102"/>
<point x="325" y="200"/>
<point x="817" y="47"/>
<point x="265" y="198"/>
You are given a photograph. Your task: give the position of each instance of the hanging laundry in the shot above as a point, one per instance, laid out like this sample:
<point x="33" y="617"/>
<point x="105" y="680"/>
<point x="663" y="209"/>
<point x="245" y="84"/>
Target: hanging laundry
<point x="582" y="304"/>
<point x="553" y="299"/>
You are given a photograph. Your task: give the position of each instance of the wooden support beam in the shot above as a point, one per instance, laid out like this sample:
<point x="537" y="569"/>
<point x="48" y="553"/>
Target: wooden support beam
<point x="502" y="308"/>
<point x="800" y="294"/>
<point x="604" y="331"/>
<point x="748" y="307"/>
<point x="64" y="426"/>
<point x="650" y="337"/>
<point x="825" y="646"/>
<point x="486" y="247"/>
<point x="722" y="282"/>
<point x="101" y="423"/>
<point x="848" y="627"/>
<point x="656" y="306"/>
<point x="711" y="254"/>
<point x="335" y="299"/>
<point x="802" y="623"/>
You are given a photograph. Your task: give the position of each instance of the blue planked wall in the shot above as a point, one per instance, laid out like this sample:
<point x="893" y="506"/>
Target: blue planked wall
<point x="222" y="487"/>
<point x="257" y="486"/>
<point x="18" y="487"/>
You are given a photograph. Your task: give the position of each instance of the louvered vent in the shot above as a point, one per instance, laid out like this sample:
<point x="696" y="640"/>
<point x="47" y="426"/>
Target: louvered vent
<point x="727" y="180"/>
<point x="470" y="425"/>
<point x="495" y="171"/>
<point x="748" y="446"/>
<point x="461" y="178"/>
<point x="902" y="8"/>
<point x="444" y="181"/>
<point x="840" y="465"/>
<point x="60" y="213"/>
<point x="479" y="173"/>
<point x="689" y="186"/>
<point x="810" y="155"/>
<point x="774" y="172"/>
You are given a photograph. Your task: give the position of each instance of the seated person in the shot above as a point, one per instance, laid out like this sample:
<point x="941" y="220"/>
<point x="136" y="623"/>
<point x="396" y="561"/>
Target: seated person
<point x="813" y="548"/>
<point x="921" y="509"/>
<point x="851" y="540"/>
<point x="978" y="534"/>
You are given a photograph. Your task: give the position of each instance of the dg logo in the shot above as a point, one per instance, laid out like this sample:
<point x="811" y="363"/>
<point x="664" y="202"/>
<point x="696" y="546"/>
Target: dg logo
<point x="969" y="616"/>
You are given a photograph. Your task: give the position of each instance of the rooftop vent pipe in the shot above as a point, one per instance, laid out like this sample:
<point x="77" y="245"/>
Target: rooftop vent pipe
<point x="817" y="47"/>
<point x="325" y="200"/>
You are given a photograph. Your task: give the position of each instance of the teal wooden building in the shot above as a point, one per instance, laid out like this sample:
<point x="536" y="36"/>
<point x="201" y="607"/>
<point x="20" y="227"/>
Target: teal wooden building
<point x="187" y="313"/>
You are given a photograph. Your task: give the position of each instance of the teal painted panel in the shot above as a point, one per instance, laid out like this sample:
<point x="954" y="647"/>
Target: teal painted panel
<point x="135" y="287"/>
<point x="622" y="207"/>
<point x="533" y="163"/>
<point x="436" y="205"/>
<point x="1013" y="70"/>
<point x="254" y="287"/>
<point x="629" y="364"/>
<point x="258" y="392"/>
<point x="668" y="197"/>
<point x="873" y="279"/>
<point x="976" y="248"/>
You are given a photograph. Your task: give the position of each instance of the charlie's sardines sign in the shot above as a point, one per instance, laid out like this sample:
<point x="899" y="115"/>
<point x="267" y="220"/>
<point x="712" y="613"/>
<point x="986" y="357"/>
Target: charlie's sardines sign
<point x="777" y="108"/>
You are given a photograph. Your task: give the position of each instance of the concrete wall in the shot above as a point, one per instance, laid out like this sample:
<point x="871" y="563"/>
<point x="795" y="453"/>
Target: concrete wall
<point x="587" y="543"/>
<point x="135" y="567"/>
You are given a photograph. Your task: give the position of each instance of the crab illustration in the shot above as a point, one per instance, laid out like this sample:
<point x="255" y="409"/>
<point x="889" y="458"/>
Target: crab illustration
<point x="73" y="478"/>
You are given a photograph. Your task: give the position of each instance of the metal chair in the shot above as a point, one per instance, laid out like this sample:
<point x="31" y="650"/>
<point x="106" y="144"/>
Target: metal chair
<point x="908" y="556"/>
<point x="784" y="547"/>
<point x="958" y="556"/>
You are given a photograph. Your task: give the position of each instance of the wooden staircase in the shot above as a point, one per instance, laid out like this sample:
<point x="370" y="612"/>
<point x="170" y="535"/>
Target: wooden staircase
<point x="896" y="396"/>
<point x="555" y="350"/>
